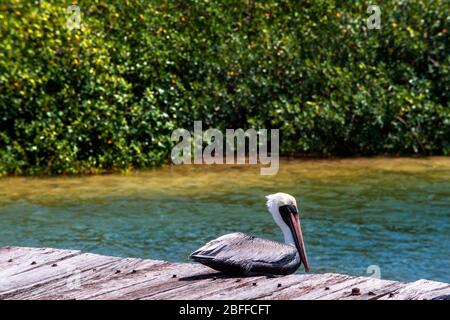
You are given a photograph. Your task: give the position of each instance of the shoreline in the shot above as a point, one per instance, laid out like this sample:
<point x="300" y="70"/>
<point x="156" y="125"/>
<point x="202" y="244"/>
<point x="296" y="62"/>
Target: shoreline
<point x="285" y="159"/>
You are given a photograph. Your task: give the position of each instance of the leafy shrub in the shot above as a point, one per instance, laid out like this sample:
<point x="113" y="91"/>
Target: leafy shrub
<point x="107" y="96"/>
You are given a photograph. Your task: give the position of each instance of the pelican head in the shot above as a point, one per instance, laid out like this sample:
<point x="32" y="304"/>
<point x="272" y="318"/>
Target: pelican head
<point x="284" y="210"/>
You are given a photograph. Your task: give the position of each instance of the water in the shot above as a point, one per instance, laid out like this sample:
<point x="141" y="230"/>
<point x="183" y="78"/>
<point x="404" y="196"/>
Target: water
<point x="392" y="213"/>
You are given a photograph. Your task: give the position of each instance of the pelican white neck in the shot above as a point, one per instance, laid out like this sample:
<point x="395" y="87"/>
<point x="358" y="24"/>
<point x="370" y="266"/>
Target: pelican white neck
<point x="274" y="209"/>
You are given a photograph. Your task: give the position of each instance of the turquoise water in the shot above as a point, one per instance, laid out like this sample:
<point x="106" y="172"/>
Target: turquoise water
<point x="392" y="213"/>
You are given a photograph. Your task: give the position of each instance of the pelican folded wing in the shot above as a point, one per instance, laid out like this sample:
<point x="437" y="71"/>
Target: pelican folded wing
<point x="241" y="254"/>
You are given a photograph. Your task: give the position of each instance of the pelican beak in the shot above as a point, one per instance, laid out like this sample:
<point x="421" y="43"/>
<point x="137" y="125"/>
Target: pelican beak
<point x="293" y="221"/>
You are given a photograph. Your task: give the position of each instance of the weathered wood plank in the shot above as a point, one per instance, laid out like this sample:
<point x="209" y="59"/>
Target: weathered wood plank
<point x="68" y="266"/>
<point x="259" y="288"/>
<point x="371" y="289"/>
<point x="318" y="283"/>
<point x="45" y="273"/>
<point x="91" y="274"/>
<point x="158" y="280"/>
<point x="15" y="260"/>
<point x="103" y="279"/>
<point x="336" y="291"/>
<point x="203" y="287"/>
<point x="420" y="290"/>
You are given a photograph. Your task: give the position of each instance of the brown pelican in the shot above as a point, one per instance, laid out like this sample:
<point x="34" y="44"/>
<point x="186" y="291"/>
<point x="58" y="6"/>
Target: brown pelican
<point x="238" y="253"/>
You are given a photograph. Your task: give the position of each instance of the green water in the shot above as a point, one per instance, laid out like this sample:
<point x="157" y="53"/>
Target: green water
<point x="393" y="213"/>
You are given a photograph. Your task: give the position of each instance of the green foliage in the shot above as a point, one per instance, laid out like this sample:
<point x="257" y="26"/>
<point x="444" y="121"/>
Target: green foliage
<point x="108" y="95"/>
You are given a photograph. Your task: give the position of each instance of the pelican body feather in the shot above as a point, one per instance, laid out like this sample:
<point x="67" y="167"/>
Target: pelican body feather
<point x="240" y="254"/>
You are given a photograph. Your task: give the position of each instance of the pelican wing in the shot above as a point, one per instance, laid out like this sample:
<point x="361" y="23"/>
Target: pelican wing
<point x="238" y="253"/>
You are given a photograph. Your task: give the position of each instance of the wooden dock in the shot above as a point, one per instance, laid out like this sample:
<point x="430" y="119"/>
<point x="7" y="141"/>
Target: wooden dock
<point x="46" y="273"/>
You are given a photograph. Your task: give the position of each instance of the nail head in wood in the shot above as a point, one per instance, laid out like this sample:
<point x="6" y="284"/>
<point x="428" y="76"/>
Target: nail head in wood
<point x="356" y="292"/>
